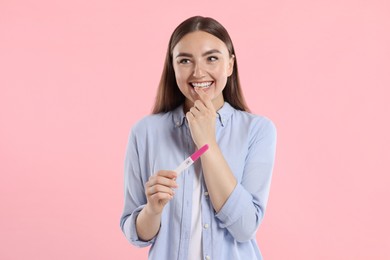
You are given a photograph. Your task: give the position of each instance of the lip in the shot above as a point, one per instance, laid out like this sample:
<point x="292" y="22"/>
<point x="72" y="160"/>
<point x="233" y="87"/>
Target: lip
<point x="200" y="82"/>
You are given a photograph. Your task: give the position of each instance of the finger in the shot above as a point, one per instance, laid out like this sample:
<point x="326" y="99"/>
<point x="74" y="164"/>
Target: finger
<point x="204" y="97"/>
<point x="153" y="179"/>
<point x="190" y="117"/>
<point x="159" y="189"/>
<point x="194" y="111"/>
<point x="167" y="174"/>
<point x="162" y="180"/>
<point x="199" y="105"/>
<point x="161" y="197"/>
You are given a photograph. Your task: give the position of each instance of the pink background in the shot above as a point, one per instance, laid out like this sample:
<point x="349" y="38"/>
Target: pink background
<point x="76" y="75"/>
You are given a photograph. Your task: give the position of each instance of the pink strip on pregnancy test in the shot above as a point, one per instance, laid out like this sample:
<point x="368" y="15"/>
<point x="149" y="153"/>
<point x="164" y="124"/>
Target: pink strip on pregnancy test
<point x="190" y="160"/>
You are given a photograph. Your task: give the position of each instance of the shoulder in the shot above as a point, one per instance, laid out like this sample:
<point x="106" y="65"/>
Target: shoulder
<point x="254" y="121"/>
<point x="262" y="132"/>
<point x="258" y="127"/>
<point x="152" y="123"/>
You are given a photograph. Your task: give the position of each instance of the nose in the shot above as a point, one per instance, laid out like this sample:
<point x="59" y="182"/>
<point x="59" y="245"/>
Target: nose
<point x="198" y="71"/>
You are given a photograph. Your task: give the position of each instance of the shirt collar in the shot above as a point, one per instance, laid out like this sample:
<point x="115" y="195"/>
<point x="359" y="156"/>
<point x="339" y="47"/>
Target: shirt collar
<point x="178" y="116"/>
<point x="223" y="115"/>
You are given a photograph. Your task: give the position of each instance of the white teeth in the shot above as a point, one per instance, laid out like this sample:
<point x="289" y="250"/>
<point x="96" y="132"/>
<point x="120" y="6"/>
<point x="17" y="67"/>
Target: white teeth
<point x="201" y="84"/>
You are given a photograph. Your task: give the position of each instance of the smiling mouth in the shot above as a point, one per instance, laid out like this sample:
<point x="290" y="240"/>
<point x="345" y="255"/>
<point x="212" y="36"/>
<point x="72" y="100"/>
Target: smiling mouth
<point x="201" y="84"/>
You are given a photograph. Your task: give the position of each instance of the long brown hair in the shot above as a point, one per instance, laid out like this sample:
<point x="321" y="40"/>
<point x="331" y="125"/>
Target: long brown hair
<point x="168" y="94"/>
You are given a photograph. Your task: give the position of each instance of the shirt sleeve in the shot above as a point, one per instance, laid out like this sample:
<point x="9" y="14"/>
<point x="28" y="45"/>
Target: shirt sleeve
<point x="135" y="198"/>
<point x="244" y="210"/>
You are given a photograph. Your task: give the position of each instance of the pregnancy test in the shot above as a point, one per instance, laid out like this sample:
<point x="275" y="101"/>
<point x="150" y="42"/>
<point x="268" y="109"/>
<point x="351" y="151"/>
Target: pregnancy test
<point x="190" y="160"/>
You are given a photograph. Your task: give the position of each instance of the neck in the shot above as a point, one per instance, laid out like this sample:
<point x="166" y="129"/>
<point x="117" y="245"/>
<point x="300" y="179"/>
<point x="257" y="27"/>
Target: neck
<point x="188" y="104"/>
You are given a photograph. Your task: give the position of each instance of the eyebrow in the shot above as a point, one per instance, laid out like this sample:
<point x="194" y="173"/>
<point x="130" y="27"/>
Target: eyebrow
<point x="184" y="54"/>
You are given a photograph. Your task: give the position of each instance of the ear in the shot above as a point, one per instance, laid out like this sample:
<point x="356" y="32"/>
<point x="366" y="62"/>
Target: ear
<point x="231" y="65"/>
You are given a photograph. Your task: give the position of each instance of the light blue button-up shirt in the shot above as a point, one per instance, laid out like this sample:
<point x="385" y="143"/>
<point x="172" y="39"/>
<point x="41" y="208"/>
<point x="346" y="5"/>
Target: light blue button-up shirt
<point x="162" y="142"/>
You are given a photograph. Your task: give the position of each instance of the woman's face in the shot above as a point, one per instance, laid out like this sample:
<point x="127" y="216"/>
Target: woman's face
<point x="200" y="59"/>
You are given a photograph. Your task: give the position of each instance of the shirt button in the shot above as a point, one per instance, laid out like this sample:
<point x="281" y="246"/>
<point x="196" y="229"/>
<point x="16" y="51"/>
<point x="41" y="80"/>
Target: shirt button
<point x="206" y="193"/>
<point x="207" y="257"/>
<point x="206" y="226"/>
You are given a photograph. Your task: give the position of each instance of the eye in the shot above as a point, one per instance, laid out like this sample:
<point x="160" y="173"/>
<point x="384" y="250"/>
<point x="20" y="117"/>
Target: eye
<point x="184" y="61"/>
<point x="212" y="58"/>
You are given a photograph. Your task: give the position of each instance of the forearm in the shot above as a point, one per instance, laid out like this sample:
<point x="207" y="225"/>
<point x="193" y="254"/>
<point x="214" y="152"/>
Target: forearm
<point x="240" y="214"/>
<point x="219" y="179"/>
<point x="147" y="224"/>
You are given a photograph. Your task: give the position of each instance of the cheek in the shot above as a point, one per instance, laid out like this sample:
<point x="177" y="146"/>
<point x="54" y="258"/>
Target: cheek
<point x="222" y="69"/>
<point x="180" y="76"/>
<point x="221" y="73"/>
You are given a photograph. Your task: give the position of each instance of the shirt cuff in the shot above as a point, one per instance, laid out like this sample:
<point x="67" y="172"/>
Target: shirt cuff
<point x="234" y="207"/>
<point x="131" y="231"/>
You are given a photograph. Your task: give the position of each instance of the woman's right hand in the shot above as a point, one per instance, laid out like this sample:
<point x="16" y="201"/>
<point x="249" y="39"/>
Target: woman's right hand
<point x="159" y="190"/>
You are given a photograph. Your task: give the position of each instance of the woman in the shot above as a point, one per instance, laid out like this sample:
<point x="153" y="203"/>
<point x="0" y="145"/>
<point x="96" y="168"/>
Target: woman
<point x="213" y="209"/>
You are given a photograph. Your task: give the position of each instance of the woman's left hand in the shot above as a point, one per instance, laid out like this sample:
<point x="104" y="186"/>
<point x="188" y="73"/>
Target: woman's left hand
<point x="201" y="120"/>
